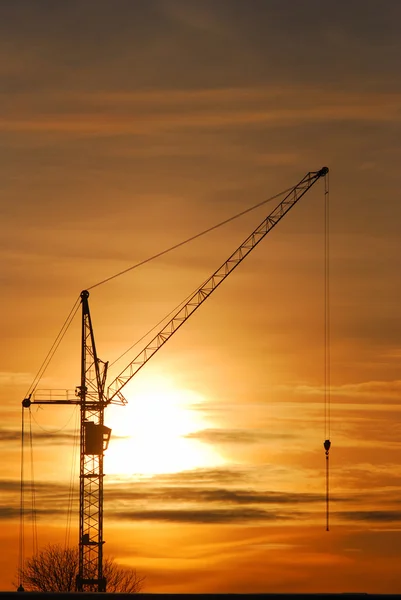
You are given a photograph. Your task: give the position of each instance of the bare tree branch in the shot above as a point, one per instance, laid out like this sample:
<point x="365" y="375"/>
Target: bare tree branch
<point x="54" y="569"/>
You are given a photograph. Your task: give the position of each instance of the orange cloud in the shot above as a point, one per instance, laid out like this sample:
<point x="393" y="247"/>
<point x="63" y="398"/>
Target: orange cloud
<point x="151" y="112"/>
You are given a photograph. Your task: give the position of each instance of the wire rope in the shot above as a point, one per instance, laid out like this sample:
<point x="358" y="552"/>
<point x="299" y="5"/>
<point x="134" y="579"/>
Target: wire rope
<point x="53" y="348"/>
<point x="33" y="491"/>
<point x="327" y="383"/>
<point x="75" y="307"/>
<point x="145" y="335"/>
<point x="170" y="249"/>
<point x="71" y="489"/>
<point x="21" y="547"/>
<point x="327" y="295"/>
<point x="70" y="500"/>
<point x="190" y="239"/>
<point x="53" y="431"/>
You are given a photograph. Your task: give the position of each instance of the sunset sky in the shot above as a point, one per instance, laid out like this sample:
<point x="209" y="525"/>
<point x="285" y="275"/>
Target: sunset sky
<point x="127" y="126"/>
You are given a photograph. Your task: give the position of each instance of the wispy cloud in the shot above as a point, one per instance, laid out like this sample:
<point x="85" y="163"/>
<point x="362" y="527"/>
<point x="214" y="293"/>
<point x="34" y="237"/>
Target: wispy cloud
<point x="371" y="516"/>
<point x="186" y="504"/>
<point x="237" y="436"/>
<point x="203" y="516"/>
<point x="8" y="378"/>
<point x="375" y="390"/>
<point x="225" y="496"/>
<point x="39" y="437"/>
<point x="225" y="475"/>
<point x="163" y="110"/>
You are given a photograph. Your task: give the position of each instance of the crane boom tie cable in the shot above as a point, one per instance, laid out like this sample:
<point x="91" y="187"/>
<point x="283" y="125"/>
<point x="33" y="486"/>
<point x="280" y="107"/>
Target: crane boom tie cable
<point x="145" y="335"/>
<point x="53" y="348"/>
<point x="327" y="442"/>
<point x="75" y="307"/>
<point x="190" y="239"/>
<point x="174" y="247"/>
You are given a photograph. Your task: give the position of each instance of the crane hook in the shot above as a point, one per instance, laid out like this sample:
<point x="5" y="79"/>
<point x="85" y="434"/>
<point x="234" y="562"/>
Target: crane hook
<point x="326" y="446"/>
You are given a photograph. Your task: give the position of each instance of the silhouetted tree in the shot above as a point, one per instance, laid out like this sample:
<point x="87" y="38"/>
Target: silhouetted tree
<point x="54" y="569"/>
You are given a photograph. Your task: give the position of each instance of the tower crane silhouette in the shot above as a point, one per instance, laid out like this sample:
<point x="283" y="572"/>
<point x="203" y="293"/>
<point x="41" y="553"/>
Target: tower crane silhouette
<point x="93" y="397"/>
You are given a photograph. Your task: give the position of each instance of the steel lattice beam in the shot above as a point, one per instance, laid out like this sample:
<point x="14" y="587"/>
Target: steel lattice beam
<point x="90" y="577"/>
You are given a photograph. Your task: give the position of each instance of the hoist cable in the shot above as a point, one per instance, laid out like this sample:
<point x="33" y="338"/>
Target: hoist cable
<point x="328" y="316"/>
<point x="33" y="491"/>
<point x="190" y="239"/>
<point x="21" y="548"/>
<point x="327" y="493"/>
<point x="53" y="348"/>
<point x="72" y="475"/>
<point x="327" y="382"/>
<point x="53" y="431"/>
<point x="71" y="488"/>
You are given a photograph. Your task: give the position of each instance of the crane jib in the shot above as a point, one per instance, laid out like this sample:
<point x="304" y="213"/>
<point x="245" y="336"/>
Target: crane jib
<point x="114" y="391"/>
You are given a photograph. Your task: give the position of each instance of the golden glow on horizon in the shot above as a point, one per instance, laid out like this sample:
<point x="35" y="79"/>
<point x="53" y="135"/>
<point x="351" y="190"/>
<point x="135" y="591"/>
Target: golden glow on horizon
<point x="149" y="434"/>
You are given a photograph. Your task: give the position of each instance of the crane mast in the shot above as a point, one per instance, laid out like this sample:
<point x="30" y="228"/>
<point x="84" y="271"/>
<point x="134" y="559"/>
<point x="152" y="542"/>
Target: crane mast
<point x="94" y="439"/>
<point x="91" y="397"/>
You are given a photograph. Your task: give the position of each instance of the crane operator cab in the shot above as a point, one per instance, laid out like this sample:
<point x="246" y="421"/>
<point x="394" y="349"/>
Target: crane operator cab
<point x="97" y="438"/>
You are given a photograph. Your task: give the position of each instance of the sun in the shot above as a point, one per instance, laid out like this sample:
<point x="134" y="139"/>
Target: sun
<point x="152" y="434"/>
